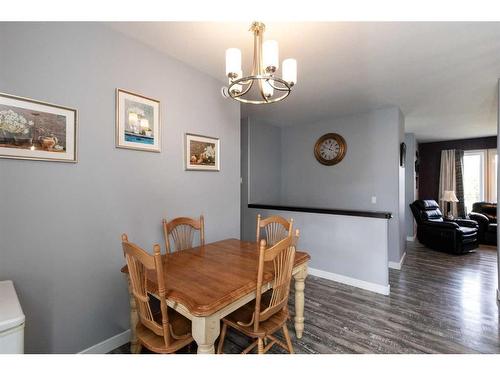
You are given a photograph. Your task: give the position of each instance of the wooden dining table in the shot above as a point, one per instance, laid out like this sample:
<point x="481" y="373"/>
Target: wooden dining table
<point x="207" y="283"/>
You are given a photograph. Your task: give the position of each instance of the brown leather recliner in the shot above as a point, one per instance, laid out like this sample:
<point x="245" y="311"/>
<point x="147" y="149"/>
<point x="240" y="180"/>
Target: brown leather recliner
<point x="486" y="216"/>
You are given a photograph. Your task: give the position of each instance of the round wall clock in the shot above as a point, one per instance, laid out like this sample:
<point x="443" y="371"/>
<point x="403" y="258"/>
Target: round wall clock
<point x="330" y="149"/>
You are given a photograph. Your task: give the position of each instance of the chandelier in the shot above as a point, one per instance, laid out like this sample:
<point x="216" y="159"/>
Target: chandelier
<point x="262" y="86"/>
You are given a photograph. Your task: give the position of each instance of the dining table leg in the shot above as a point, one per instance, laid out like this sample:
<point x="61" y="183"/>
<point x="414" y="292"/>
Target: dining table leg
<point x="299" y="277"/>
<point x="205" y="331"/>
<point x="134" y="318"/>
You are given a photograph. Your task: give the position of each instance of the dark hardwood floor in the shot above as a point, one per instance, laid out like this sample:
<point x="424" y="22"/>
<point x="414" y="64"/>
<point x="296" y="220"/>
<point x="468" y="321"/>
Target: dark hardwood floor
<point x="439" y="303"/>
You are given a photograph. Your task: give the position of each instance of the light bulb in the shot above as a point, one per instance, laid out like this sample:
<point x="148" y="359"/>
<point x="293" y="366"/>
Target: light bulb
<point x="270" y="55"/>
<point x="290" y="71"/>
<point x="233" y="61"/>
<point x="267" y="89"/>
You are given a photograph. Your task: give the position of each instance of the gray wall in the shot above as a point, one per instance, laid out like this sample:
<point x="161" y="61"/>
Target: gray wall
<point x="338" y="251"/>
<point x="60" y="224"/>
<point x="244" y="168"/>
<point x="396" y="254"/>
<point x="410" y="185"/>
<point x="370" y="168"/>
<point x="265" y="161"/>
<point x="332" y="241"/>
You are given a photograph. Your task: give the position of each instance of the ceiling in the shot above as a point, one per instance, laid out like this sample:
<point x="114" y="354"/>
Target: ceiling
<point x="442" y="75"/>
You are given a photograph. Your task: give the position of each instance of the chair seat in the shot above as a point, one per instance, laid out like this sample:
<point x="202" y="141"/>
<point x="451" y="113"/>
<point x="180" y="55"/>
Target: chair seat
<point x="180" y="326"/>
<point x="244" y="315"/>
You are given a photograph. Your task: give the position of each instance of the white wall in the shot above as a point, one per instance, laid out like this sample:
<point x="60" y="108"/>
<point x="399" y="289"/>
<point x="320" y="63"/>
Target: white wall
<point x="60" y="224"/>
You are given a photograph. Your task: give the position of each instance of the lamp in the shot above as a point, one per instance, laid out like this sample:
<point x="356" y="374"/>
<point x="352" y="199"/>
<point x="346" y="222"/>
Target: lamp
<point x="270" y="55"/>
<point x="268" y="87"/>
<point x="448" y="197"/>
<point x="290" y="71"/>
<point x="233" y="61"/>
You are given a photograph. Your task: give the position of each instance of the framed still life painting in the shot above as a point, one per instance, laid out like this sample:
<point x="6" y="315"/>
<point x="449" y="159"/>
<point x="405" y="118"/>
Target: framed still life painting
<point x="137" y="122"/>
<point x="202" y="153"/>
<point x="35" y="130"/>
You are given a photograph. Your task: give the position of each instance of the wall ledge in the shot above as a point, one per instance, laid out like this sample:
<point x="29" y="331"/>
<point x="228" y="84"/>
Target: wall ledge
<point x="320" y="210"/>
<point x="366" y="285"/>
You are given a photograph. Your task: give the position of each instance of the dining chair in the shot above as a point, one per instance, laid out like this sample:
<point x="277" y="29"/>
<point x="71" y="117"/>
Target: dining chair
<point x="268" y="313"/>
<point x="275" y="227"/>
<point x="164" y="331"/>
<point x="181" y="231"/>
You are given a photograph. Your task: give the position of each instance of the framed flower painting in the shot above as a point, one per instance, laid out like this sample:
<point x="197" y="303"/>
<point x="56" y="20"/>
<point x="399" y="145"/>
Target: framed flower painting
<point x="137" y="122"/>
<point x="35" y="130"/>
<point x="202" y="153"/>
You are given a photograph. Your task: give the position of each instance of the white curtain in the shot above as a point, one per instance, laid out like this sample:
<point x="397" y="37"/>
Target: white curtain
<point x="447" y="179"/>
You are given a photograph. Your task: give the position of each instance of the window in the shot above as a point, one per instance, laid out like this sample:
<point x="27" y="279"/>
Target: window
<point x="480" y="177"/>
<point x="473" y="178"/>
<point x="492" y="175"/>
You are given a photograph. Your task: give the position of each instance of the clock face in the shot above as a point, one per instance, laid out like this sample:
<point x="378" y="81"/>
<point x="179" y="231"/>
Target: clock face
<point x="330" y="149"/>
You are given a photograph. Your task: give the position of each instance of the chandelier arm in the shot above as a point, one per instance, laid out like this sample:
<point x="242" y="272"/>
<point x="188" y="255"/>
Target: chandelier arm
<point x="258" y="31"/>
<point x="246" y="82"/>
<point x="261" y="92"/>
<point x="250" y="84"/>
<point x="251" y="101"/>
<point x="286" y="88"/>
<point x="238" y="96"/>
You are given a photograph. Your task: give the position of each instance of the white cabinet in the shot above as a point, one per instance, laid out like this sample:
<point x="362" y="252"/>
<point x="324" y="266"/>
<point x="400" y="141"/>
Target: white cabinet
<point x="11" y="320"/>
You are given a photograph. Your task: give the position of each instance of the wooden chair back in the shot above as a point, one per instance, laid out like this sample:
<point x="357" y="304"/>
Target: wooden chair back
<point x="181" y="231"/>
<point x="140" y="263"/>
<point x="276" y="228"/>
<point x="282" y="256"/>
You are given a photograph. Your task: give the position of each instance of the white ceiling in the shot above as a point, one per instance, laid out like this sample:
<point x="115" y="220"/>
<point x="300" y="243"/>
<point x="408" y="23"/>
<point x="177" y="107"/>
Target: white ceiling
<point x="442" y="75"/>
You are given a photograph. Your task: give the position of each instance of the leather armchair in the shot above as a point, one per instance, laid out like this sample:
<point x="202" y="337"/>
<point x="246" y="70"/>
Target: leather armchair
<point x="454" y="236"/>
<point x="486" y="216"/>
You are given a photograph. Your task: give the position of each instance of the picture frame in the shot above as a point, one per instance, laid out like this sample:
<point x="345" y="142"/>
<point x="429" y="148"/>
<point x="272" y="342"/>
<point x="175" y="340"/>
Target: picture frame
<point x="36" y="130"/>
<point x="201" y="153"/>
<point x="402" y="154"/>
<point x="138" y="122"/>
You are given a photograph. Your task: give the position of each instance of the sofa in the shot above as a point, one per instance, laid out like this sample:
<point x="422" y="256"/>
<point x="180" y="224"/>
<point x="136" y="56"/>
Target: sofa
<point x="457" y="236"/>
<point x="486" y="216"/>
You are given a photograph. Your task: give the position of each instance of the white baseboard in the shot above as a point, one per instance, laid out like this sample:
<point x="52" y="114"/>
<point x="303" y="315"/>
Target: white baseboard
<point x="108" y="345"/>
<point x="372" y="287"/>
<point x="398" y="265"/>
<point x="410" y="238"/>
